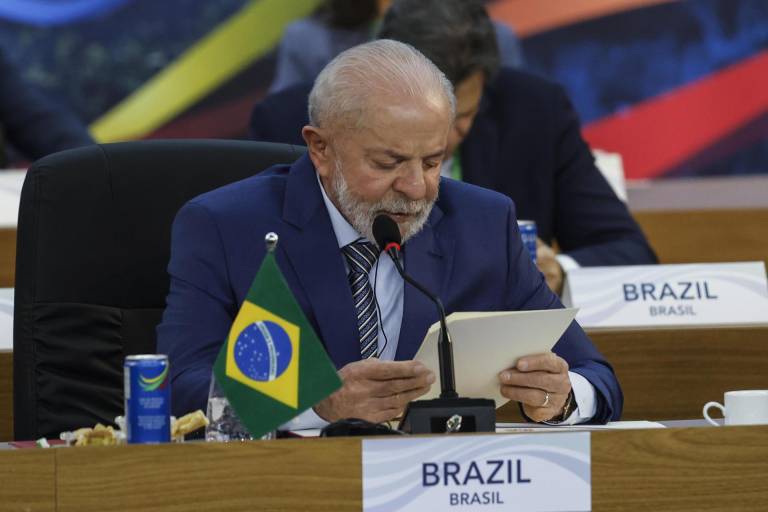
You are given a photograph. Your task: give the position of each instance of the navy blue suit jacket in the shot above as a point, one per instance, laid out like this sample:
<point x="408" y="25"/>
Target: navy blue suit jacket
<point x="469" y="252"/>
<point x="525" y="143"/>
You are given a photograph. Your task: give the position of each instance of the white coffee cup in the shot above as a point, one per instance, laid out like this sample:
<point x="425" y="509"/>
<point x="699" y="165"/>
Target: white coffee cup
<point x="748" y="407"/>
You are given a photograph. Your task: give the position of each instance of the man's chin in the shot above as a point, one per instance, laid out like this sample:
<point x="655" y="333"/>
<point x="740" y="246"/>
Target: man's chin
<point x="411" y="228"/>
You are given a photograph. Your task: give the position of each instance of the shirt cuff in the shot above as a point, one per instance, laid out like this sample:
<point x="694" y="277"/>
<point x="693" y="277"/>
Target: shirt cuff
<point x="584" y="396"/>
<point x="305" y="420"/>
<point x="566" y="262"/>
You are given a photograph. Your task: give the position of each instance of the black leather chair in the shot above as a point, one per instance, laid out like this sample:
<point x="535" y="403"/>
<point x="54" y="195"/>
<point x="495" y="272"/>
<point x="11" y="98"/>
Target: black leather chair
<point x="92" y="250"/>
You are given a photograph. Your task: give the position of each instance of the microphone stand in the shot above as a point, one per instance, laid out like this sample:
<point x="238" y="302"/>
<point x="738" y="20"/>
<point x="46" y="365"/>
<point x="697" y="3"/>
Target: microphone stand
<point x="449" y="412"/>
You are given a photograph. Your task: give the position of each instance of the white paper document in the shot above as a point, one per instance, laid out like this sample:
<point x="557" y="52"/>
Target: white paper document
<point x="484" y="344"/>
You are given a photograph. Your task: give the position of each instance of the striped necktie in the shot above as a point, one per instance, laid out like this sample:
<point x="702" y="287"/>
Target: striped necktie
<point x="361" y="256"/>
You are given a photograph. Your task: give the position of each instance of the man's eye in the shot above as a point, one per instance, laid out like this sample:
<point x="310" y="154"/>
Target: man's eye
<point x="386" y="166"/>
<point x="430" y="164"/>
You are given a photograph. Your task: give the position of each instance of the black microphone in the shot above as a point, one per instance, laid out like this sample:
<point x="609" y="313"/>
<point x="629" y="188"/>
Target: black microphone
<point x="449" y="413"/>
<point x="388" y="238"/>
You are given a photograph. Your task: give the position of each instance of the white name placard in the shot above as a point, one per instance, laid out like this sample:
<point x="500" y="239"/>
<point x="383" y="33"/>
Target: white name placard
<point x="542" y="472"/>
<point x="669" y="295"/>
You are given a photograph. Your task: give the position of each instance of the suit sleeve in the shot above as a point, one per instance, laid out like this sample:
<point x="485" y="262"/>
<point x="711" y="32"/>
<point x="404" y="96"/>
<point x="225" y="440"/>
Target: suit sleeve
<point x="574" y="345"/>
<point x="593" y="225"/>
<point x="200" y="307"/>
<point x="34" y="124"/>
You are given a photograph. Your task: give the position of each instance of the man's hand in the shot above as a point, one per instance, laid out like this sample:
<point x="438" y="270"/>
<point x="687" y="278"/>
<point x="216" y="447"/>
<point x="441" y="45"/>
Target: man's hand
<point x="553" y="272"/>
<point x="532" y="380"/>
<point x="376" y="390"/>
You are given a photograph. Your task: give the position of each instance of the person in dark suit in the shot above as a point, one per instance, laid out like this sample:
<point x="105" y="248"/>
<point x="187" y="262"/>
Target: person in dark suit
<point x="380" y="117"/>
<point x="514" y="133"/>
<point x="32" y="124"/>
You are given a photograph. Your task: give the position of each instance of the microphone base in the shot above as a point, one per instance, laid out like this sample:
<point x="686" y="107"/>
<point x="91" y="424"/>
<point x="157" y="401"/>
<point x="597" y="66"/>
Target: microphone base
<point x="430" y="416"/>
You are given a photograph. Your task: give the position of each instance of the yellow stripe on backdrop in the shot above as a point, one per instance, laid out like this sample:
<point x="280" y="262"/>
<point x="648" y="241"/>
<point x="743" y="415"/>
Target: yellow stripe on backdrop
<point x="228" y="49"/>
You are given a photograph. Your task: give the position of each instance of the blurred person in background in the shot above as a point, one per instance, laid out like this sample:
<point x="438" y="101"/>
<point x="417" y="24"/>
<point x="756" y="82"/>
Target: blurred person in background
<point x="32" y="124"/>
<point x="514" y="133"/>
<point x="310" y="43"/>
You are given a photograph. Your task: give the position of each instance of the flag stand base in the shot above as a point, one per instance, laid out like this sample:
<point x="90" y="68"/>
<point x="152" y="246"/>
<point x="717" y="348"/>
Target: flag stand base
<point x="431" y="416"/>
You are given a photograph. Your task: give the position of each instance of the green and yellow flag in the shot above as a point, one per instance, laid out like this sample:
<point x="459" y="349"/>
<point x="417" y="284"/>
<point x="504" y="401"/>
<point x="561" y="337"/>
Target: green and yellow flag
<point x="272" y="366"/>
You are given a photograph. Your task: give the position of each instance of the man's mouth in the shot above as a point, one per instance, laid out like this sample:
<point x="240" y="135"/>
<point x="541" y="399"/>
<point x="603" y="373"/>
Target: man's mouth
<point x="400" y="217"/>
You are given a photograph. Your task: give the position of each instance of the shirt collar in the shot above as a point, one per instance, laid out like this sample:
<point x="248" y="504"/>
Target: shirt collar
<point x="345" y="233"/>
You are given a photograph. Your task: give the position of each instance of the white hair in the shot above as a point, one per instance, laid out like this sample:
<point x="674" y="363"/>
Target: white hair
<point x="381" y="67"/>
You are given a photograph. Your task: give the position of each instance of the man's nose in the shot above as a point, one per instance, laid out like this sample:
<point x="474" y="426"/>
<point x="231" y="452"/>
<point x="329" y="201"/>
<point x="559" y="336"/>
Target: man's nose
<point x="411" y="182"/>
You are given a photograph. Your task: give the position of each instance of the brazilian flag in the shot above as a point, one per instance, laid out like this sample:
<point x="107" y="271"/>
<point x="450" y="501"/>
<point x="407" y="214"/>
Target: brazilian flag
<point x="272" y="366"/>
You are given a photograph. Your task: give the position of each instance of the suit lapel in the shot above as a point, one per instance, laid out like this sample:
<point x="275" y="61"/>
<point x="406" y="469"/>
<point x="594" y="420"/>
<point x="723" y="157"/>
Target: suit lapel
<point x="428" y="260"/>
<point x="314" y="254"/>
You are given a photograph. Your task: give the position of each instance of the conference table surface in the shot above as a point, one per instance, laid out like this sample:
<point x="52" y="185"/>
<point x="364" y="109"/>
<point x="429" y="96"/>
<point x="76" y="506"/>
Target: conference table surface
<point x="11" y="182"/>
<point x="669" y="469"/>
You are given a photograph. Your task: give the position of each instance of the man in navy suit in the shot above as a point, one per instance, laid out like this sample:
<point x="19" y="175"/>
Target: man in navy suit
<point x="514" y="133"/>
<point x="380" y="115"/>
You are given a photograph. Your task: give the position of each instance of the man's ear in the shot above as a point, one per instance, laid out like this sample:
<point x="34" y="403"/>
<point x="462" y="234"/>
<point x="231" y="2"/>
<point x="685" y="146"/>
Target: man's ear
<point x="319" y="151"/>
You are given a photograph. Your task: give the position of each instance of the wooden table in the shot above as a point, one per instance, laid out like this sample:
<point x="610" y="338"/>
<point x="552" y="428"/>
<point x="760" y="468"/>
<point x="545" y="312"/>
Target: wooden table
<point x="701" y="236"/>
<point x="703" y="219"/>
<point x="670" y="374"/>
<point x="676" y="469"/>
<point x="7" y="257"/>
<point x="11" y="182"/>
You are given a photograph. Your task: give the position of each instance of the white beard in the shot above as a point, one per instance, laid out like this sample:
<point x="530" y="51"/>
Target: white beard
<point x="360" y="214"/>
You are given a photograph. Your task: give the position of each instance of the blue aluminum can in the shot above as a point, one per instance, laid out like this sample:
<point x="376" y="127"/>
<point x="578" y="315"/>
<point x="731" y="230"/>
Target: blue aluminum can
<point x="147" y="399"/>
<point x="528" y="234"/>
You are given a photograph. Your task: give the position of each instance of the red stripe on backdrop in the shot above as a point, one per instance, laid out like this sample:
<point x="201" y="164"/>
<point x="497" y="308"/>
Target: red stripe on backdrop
<point x="530" y="17"/>
<point x="228" y="120"/>
<point x="661" y="133"/>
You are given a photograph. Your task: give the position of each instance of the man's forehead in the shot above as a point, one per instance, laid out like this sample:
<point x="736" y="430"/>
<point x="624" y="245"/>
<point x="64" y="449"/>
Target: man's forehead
<point x="379" y="103"/>
<point x="400" y="128"/>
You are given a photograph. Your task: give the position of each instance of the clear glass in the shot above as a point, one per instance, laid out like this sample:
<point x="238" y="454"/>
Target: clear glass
<point x="223" y="422"/>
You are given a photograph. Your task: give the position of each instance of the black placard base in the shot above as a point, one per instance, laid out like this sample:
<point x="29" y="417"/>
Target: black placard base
<point x="430" y="416"/>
